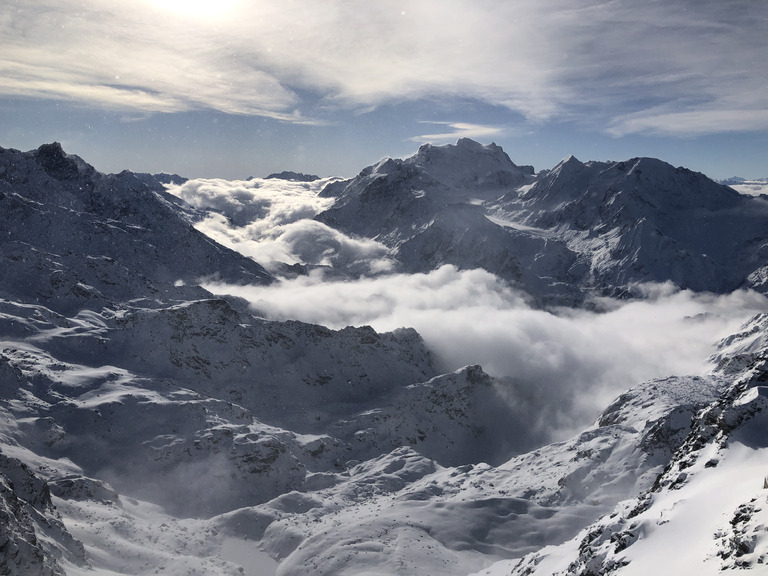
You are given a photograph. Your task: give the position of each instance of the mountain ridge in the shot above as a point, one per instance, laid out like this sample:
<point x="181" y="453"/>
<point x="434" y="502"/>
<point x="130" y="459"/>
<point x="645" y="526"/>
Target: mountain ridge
<point x="75" y="221"/>
<point x="167" y="425"/>
<point x="563" y="233"/>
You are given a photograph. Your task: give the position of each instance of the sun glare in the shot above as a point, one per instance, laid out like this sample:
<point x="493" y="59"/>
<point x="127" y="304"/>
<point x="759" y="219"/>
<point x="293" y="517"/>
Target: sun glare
<point x="197" y="8"/>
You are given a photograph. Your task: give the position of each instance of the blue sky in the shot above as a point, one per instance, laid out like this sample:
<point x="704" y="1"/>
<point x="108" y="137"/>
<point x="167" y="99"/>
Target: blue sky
<point x="234" y="88"/>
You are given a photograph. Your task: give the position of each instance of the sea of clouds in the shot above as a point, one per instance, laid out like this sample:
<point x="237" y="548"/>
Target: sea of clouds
<point x="752" y="187"/>
<point x="558" y="368"/>
<point x="270" y="220"/>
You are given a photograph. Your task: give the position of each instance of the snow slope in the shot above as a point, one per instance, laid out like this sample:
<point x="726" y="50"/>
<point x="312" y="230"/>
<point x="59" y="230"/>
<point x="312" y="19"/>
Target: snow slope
<point x="705" y="514"/>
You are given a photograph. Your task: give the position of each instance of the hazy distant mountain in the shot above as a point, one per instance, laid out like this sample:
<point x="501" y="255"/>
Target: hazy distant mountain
<point x="297" y="176"/>
<point x="754" y="187"/>
<point x="148" y="425"/>
<point x="737" y="180"/>
<point x="162" y="178"/>
<point x="429" y="209"/>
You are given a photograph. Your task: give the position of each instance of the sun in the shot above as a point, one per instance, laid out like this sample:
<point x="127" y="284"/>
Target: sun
<point x="199" y="9"/>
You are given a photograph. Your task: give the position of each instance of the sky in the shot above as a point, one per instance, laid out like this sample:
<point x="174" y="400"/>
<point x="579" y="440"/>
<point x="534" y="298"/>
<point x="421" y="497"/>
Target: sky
<point x="238" y="88"/>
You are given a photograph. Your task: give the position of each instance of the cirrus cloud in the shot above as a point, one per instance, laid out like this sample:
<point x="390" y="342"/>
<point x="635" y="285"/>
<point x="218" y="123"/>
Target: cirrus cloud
<point x="458" y="130"/>
<point x="687" y="67"/>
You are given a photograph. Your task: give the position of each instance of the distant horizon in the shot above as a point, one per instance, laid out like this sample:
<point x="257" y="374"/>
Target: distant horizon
<point x="232" y="89"/>
<point x="299" y="170"/>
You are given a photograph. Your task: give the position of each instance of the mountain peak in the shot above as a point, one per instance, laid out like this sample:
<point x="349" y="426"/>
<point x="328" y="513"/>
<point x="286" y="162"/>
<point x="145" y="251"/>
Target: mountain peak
<point x="469" y="163"/>
<point x="56" y="162"/>
<point x="569" y="160"/>
<point x="386" y="166"/>
<point x="60" y="165"/>
<point x="462" y="147"/>
<point x="469" y="144"/>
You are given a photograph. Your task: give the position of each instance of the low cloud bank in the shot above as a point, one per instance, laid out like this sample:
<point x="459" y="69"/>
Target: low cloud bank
<point x="559" y="370"/>
<point x="271" y="222"/>
<point x="752" y="187"/>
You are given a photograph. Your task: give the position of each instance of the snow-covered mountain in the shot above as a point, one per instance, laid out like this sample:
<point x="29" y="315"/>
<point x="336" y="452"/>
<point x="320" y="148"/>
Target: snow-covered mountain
<point x="595" y="226"/>
<point x="76" y="238"/>
<point x="706" y="512"/>
<point x="148" y="425"/>
<point x="430" y="209"/>
<point x="643" y="220"/>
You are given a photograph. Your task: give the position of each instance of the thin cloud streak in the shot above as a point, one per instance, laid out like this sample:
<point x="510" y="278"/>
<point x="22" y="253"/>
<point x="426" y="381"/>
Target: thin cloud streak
<point x="459" y="130"/>
<point x="125" y="57"/>
<point x="690" y="123"/>
<point x="658" y="67"/>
